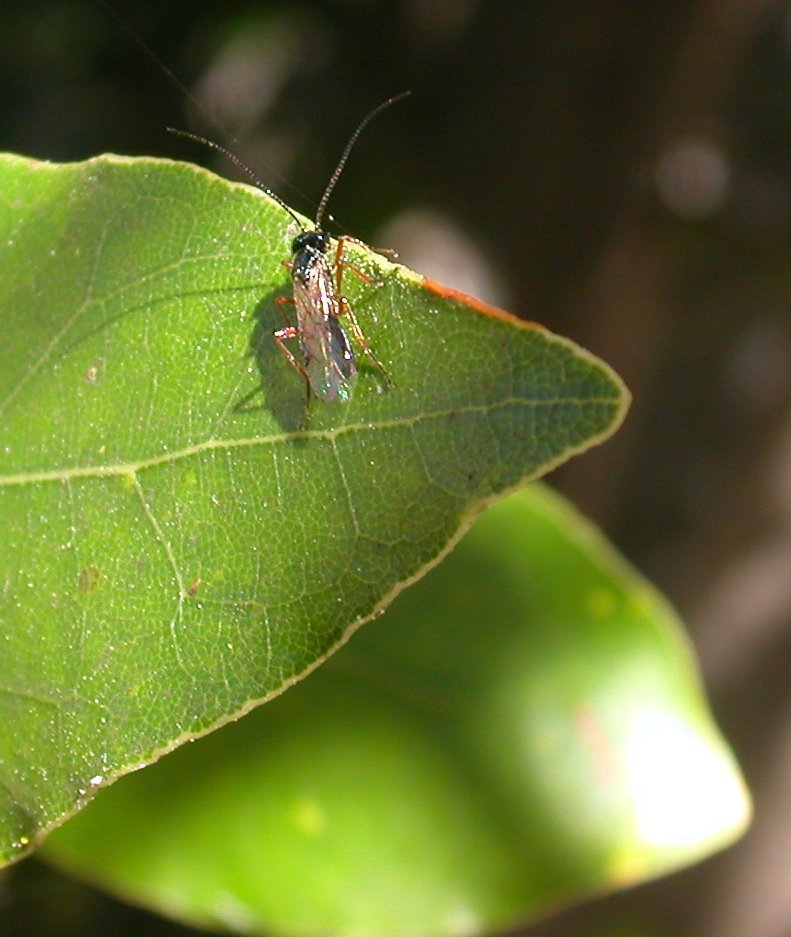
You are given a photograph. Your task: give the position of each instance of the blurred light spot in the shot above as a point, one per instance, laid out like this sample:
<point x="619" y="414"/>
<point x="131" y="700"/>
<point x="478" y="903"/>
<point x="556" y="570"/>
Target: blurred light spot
<point x="463" y="920"/>
<point x="693" y="178"/>
<point x="251" y="68"/>
<point x="686" y="790"/>
<point x="231" y="911"/>
<point x="308" y="816"/>
<point x="246" y="75"/>
<point x="432" y="244"/>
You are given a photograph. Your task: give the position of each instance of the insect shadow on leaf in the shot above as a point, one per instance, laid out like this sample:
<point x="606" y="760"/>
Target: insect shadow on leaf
<point x="279" y="388"/>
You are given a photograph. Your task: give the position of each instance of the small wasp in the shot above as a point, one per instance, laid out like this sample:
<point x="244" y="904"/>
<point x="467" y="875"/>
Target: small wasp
<point x="327" y="359"/>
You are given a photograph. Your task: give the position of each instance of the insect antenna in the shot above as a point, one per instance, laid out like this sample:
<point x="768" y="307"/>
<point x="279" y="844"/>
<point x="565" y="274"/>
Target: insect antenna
<point x="352" y="140"/>
<point x="243" y="166"/>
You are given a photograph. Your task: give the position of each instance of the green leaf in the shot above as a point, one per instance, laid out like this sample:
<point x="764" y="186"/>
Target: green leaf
<point x="523" y="727"/>
<point x="182" y="536"/>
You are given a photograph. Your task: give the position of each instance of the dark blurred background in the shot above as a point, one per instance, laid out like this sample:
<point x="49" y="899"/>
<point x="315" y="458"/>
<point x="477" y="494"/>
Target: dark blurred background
<point x="618" y="170"/>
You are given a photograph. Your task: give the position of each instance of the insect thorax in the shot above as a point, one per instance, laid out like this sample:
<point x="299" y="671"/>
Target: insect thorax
<point x="307" y="248"/>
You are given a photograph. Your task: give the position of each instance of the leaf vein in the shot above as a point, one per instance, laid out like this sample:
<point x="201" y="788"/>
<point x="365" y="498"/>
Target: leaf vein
<point x="178" y="613"/>
<point x="303" y="435"/>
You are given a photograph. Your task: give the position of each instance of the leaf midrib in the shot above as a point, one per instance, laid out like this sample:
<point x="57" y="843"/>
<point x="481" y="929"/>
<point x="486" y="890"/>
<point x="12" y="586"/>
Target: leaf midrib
<point x="326" y="435"/>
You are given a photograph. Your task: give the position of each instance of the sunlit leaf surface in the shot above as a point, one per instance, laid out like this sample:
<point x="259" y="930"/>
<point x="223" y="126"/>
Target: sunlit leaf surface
<point x="182" y="535"/>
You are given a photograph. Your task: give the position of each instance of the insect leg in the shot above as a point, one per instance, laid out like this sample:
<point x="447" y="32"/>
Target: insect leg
<point x="345" y="308"/>
<point x="339" y="265"/>
<point x="280" y="336"/>
<point x="282" y="302"/>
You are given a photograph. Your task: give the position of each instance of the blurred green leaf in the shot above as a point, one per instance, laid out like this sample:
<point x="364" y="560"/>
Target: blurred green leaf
<point x="523" y="727"/>
<point x="181" y="537"/>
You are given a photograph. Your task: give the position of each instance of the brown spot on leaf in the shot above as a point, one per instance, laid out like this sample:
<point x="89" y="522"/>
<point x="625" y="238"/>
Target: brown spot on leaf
<point x="89" y="579"/>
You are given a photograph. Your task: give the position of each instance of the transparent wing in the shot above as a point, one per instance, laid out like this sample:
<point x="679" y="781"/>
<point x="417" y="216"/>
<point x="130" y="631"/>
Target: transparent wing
<point x="328" y="356"/>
